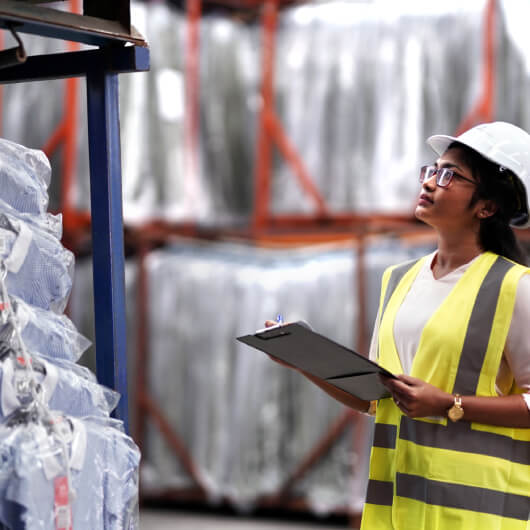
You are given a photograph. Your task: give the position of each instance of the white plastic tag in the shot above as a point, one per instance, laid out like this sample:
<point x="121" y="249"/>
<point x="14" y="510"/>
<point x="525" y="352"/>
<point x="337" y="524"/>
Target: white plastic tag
<point x="20" y="249"/>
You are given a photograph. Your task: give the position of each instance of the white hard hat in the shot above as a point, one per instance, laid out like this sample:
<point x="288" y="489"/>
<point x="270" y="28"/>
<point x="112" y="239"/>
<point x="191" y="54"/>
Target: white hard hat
<point x="504" y="144"/>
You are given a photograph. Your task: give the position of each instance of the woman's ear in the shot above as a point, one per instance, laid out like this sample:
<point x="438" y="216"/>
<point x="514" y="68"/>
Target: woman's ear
<point x="487" y="209"/>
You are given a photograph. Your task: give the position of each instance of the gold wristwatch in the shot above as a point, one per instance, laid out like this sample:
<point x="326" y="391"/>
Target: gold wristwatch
<point x="456" y="412"/>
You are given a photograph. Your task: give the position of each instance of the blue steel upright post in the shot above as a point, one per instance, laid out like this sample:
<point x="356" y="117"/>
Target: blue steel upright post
<point x="109" y="29"/>
<point x="107" y="232"/>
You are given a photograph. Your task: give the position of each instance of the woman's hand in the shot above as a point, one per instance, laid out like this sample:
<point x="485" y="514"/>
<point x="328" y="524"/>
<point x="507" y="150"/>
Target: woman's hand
<point x="268" y="324"/>
<point x="416" y="398"/>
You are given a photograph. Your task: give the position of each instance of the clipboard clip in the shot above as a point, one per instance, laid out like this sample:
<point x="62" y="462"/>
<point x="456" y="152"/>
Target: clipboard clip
<point x="272" y="332"/>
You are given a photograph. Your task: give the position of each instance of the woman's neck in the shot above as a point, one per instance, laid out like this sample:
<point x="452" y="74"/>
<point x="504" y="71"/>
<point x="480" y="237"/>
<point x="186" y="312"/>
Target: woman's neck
<point x="450" y="255"/>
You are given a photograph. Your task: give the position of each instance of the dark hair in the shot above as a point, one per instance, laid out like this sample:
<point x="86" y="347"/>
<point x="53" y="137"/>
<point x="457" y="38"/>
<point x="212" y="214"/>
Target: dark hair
<point x="497" y="184"/>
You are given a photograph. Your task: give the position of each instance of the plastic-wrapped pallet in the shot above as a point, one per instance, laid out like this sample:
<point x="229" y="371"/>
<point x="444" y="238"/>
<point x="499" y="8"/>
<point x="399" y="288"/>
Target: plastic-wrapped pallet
<point x="65" y="462"/>
<point x="248" y="422"/>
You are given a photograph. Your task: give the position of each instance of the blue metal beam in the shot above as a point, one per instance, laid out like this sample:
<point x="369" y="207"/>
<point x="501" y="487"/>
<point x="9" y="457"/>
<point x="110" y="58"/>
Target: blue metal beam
<point x="101" y="68"/>
<point x="107" y="234"/>
<point x="76" y="64"/>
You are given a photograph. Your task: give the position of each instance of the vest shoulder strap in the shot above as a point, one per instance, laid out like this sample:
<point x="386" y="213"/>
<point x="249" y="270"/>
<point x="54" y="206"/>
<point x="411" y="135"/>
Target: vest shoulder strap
<point x="394" y="275"/>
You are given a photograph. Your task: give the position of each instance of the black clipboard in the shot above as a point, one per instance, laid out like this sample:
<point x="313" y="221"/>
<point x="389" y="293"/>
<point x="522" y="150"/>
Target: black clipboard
<point x="299" y="345"/>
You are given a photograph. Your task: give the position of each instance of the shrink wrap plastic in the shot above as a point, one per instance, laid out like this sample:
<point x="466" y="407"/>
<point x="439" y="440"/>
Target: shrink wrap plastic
<point x="39" y="268"/>
<point x="63" y="462"/>
<point x="50" y="334"/>
<point x="378" y="77"/>
<point x="61" y="385"/>
<point x="247" y="421"/>
<point x="395" y="75"/>
<point x="24" y="178"/>
<point x="103" y="485"/>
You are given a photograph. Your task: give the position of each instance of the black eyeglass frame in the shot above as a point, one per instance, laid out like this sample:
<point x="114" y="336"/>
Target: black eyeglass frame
<point x="441" y="174"/>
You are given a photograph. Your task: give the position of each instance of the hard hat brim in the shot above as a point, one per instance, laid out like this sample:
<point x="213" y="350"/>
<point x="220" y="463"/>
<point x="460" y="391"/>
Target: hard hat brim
<point x="440" y="142"/>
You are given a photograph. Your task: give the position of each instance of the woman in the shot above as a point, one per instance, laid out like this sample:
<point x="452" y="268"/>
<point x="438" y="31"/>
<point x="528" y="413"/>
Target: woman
<point x="451" y="446"/>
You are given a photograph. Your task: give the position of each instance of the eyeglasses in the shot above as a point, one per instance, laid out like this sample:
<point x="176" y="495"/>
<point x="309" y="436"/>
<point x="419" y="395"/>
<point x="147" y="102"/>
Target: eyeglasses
<point x="443" y="175"/>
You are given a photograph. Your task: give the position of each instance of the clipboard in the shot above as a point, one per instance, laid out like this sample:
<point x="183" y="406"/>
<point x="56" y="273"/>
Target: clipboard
<point x="299" y="345"/>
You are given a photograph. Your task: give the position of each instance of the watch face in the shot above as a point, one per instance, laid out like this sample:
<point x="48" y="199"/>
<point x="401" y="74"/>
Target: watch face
<point x="455" y="413"/>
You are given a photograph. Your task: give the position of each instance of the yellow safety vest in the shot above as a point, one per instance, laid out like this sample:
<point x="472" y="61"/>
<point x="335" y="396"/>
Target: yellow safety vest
<point x="432" y="474"/>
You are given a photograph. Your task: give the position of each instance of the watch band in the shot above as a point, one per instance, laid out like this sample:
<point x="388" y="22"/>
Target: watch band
<point x="372" y="408"/>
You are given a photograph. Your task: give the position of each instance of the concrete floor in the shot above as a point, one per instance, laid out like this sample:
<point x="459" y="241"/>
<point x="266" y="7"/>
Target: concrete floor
<point x="155" y="519"/>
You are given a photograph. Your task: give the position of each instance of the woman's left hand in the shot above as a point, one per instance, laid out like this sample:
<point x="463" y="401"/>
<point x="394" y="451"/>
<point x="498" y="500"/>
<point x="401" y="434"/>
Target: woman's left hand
<point x="416" y="398"/>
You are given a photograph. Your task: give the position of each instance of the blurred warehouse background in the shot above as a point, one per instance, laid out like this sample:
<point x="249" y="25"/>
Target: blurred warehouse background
<point x="270" y="164"/>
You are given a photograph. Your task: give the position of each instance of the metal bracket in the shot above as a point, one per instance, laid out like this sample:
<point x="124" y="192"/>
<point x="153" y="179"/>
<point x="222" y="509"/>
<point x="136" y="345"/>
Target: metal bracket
<point x="16" y="55"/>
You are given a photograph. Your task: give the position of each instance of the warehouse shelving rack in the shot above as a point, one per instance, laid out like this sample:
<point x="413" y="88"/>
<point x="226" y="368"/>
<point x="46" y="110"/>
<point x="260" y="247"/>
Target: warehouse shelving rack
<point x="116" y="47"/>
<point x="263" y="227"/>
<point x="267" y="228"/>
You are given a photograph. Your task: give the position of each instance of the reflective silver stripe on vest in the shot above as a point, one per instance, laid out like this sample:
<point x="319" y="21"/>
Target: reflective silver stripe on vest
<point x="380" y="492"/>
<point x="460" y="436"/>
<point x="479" y="329"/>
<point x="395" y="277"/>
<point x="385" y="436"/>
<point x="481" y="500"/>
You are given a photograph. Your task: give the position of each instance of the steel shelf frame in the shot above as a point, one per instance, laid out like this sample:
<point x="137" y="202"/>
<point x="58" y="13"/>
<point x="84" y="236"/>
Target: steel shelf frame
<point x="264" y="226"/>
<point x="121" y="49"/>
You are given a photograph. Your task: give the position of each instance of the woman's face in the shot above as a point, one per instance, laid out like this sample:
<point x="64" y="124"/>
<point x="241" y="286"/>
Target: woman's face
<point x="449" y="208"/>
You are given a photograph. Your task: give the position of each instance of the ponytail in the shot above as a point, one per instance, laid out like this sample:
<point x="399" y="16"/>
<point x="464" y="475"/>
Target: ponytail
<point x="497" y="236"/>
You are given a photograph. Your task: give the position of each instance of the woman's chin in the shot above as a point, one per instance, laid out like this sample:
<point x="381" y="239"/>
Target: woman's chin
<point x="422" y="215"/>
<point x="419" y="213"/>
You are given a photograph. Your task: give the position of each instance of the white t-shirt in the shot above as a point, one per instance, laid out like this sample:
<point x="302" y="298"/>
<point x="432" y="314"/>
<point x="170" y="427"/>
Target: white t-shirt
<point x="428" y="293"/>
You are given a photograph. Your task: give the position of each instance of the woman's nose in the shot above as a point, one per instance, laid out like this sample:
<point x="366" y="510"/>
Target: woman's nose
<point x="430" y="183"/>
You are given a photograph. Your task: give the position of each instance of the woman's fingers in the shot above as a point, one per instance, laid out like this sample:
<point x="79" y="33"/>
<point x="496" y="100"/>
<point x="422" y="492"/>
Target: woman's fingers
<point x="395" y="385"/>
<point x="410" y="381"/>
